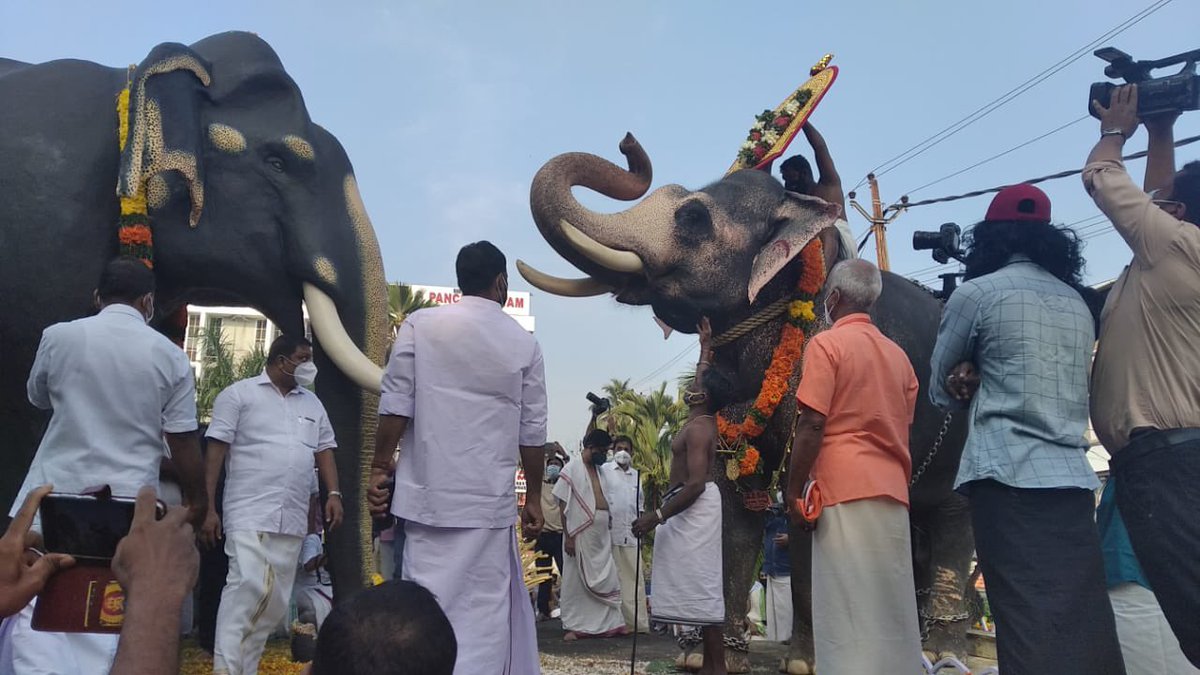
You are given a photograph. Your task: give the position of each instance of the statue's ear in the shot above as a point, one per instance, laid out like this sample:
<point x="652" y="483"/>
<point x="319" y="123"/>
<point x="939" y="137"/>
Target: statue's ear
<point x="798" y="219"/>
<point x="165" y="131"/>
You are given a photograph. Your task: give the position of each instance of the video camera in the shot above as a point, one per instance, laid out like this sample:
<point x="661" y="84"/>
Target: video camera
<point x="599" y="405"/>
<point x="945" y="244"/>
<point x="1170" y="93"/>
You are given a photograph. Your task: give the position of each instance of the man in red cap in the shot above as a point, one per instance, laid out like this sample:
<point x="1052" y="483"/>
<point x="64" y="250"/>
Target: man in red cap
<point x="1015" y="346"/>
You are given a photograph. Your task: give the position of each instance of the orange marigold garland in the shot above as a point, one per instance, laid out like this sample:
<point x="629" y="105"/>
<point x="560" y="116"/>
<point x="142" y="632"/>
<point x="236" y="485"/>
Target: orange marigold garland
<point x="133" y="227"/>
<point x="800" y="319"/>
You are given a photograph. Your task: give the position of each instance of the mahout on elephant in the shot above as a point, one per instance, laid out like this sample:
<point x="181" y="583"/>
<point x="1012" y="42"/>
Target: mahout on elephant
<point x="249" y="203"/>
<point x="730" y="251"/>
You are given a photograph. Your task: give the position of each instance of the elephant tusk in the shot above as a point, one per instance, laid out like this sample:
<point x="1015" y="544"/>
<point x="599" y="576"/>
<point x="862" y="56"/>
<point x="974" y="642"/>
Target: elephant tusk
<point x="337" y="343"/>
<point x="571" y="288"/>
<point x="617" y="261"/>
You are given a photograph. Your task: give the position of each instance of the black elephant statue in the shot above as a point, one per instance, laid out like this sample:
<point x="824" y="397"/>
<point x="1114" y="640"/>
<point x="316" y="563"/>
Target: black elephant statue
<point x="690" y="254"/>
<point x="249" y="203"/>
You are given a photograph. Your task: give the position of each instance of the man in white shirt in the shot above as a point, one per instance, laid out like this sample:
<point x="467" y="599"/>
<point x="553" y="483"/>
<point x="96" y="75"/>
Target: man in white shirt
<point x="116" y="388"/>
<point x="267" y="431"/>
<point x="466" y="389"/>
<point x="623" y="485"/>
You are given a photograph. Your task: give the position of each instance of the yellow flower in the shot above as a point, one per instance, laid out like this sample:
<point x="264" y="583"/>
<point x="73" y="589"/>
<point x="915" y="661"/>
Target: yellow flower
<point x="802" y="309"/>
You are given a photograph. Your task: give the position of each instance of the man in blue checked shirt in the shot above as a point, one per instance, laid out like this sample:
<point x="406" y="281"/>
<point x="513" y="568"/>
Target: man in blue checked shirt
<point x="1015" y="345"/>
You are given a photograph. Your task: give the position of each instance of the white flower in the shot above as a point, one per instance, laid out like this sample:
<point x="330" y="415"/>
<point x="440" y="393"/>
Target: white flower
<point x="771" y="137"/>
<point x="748" y="145"/>
<point x="758" y="126"/>
<point x="792" y="108"/>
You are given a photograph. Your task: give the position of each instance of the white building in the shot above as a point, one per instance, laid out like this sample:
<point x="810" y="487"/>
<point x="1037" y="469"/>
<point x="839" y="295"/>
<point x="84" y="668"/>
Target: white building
<point x="247" y="330"/>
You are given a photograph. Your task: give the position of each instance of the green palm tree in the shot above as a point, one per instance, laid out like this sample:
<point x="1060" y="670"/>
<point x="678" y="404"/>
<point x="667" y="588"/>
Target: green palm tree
<point x="402" y="301"/>
<point x="221" y="368"/>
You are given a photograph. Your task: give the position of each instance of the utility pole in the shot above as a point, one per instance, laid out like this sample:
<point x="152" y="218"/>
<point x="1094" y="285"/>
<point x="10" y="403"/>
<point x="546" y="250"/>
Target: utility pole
<point x="879" y="217"/>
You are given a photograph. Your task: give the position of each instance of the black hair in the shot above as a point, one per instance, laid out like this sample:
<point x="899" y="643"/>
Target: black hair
<point x="124" y="279"/>
<point x="797" y="163"/>
<point x="623" y="439"/>
<point x="721" y="389"/>
<point x="991" y="243"/>
<point x="285" y="345"/>
<point x="555" y="458"/>
<point x="396" y="627"/>
<point x="597" y="438"/>
<point x="478" y="265"/>
<point x="1186" y="189"/>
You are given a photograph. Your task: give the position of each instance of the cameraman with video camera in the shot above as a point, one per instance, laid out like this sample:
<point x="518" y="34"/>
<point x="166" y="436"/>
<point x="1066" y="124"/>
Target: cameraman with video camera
<point x="1145" y="402"/>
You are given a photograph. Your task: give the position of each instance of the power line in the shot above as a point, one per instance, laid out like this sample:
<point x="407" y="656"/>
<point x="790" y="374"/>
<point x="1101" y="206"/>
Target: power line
<point x="1003" y="99"/>
<point x="661" y="369"/>
<point x="1034" y="181"/>
<point x="999" y="155"/>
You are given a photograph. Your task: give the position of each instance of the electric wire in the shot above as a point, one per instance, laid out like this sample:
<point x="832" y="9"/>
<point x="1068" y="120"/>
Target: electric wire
<point x="1003" y="99"/>
<point x="663" y="368"/>
<point x="996" y="156"/>
<point x="1033" y="181"/>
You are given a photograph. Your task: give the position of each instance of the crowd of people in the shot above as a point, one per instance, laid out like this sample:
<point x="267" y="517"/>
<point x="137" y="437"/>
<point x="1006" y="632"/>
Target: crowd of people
<point x="1070" y="591"/>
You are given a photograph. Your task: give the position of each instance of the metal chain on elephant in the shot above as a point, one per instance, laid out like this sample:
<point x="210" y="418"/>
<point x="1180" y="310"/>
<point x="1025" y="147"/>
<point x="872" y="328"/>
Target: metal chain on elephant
<point x="937" y="445"/>
<point x="737" y="644"/>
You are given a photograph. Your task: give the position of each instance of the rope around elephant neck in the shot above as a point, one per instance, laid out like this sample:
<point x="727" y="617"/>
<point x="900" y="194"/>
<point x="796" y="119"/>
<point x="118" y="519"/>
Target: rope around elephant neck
<point x="758" y="320"/>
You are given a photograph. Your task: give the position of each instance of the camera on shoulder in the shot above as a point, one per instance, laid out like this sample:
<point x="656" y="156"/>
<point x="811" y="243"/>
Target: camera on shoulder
<point x="1156" y="95"/>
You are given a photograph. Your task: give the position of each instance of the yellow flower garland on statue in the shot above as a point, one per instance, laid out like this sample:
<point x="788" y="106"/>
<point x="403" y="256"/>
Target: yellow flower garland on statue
<point x="133" y="231"/>
<point x="801" y="317"/>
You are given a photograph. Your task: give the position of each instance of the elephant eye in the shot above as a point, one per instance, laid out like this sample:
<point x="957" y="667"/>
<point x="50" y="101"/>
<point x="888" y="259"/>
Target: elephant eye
<point x="693" y="214"/>
<point x="276" y="164"/>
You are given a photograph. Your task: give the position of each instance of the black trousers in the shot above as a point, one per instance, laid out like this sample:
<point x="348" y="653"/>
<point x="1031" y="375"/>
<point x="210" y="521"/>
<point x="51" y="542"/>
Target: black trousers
<point x="1158" y="493"/>
<point x="550" y="545"/>
<point x="1040" y="554"/>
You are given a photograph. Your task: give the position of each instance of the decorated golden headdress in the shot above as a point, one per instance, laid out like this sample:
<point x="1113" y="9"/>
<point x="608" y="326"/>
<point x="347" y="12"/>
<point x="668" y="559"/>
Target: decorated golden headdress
<point x="774" y="130"/>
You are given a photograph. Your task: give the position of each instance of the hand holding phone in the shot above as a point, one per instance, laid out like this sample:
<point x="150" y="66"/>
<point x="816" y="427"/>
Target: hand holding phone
<point x="24" y="570"/>
<point x="158" y="557"/>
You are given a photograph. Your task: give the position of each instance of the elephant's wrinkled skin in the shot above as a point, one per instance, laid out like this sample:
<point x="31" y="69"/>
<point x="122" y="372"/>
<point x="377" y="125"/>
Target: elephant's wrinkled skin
<point x="250" y="203"/>
<point x="691" y="254"/>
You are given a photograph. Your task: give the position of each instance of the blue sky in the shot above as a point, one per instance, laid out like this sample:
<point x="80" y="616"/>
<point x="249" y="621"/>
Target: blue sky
<point x="447" y="109"/>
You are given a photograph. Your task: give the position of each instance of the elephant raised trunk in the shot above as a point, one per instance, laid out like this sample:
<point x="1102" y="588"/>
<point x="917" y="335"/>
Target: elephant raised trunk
<point x="601" y="244"/>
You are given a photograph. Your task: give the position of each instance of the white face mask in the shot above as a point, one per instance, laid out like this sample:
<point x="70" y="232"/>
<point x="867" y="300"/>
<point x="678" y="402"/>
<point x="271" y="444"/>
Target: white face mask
<point x="149" y="315"/>
<point x="825" y="306"/>
<point x="305" y="374"/>
<point x="622" y="458"/>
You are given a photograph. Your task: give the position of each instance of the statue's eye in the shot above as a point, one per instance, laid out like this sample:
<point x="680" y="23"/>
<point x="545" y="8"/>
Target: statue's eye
<point x="276" y="164"/>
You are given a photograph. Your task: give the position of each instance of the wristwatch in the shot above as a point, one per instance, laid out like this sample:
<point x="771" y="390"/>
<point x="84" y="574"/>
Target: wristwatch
<point x="1112" y="132"/>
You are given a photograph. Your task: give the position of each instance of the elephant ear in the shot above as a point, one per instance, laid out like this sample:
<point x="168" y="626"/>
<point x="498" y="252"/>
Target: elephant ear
<point x="165" y="131"/>
<point x="796" y="222"/>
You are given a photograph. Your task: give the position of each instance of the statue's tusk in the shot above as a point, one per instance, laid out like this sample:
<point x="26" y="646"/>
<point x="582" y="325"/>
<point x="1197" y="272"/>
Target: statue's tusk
<point x="571" y="288"/>
<point x="610" y="258"/>
<point x="327" y="326"/>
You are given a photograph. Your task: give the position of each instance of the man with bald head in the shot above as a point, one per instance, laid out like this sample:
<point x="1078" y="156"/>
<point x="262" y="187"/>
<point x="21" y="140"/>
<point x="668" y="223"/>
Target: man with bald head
<point x="856" y="401"/>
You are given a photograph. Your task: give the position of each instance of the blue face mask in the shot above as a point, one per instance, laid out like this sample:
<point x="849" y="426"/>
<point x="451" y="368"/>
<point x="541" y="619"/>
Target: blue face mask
<point x="552" y="472"/>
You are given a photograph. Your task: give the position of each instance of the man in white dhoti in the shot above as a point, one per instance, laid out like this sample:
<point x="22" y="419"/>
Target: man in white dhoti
<point x="857" y="394"/>
<point x="625" y="502"/>
<point x="777" y="573"/>
<point x="591" y="587"/>
<point x="687" y="578"/>
<point x="268" y="431"/>
<point x="466" y="389"/>
<point x="116" y="388"/>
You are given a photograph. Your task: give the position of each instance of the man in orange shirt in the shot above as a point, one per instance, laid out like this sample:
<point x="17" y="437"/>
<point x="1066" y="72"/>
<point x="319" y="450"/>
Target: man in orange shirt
<point x="856" y="397"/>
